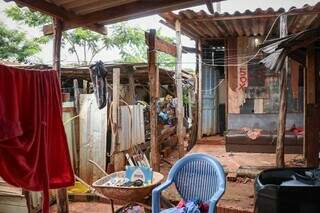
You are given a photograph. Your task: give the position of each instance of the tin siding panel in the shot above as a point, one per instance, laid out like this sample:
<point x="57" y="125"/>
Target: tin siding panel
<point x="93" y="135"/>
<point x="209" y="99"/>
<point x="137" y="123"/>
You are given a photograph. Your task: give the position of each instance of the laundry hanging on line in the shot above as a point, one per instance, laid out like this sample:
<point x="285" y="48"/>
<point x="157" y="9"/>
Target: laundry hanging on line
<point x="33" y="146"/>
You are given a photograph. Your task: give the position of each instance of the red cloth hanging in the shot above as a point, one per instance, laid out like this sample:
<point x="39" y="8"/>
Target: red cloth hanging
<point x="33" y="146"/>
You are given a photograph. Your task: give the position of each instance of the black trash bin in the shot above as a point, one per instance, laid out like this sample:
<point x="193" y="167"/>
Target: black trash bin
<point x="290" y="190"/>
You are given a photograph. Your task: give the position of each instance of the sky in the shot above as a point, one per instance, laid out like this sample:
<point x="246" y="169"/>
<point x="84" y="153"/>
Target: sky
<point x="151" y="22"/>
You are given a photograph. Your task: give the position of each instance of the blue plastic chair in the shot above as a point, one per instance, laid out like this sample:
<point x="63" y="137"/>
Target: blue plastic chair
<point x="196" y="176"/>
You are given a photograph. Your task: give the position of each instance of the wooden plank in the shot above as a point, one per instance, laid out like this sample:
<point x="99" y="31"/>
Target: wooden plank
<point x="163" y="46"/>
<point x="283" y="101"/>
<point x="180" y="107"/>
<point x="46" y="8"/>
<point x="99" y="28"/>
<point x="199" y="65"/>
<point x="311" y="137"/>
<point x="132" y="10"/>
<point x="153" y="84"/>
<point x="118" y="157"/>
<point x="132" y="88"/>
<point x="62" y="197"/>
<point x="194" y="131"/>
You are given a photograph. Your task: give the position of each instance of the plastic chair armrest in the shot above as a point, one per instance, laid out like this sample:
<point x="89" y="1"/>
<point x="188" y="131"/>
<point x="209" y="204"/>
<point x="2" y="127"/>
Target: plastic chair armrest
<point x="214" y="200"/>
<point x="156" y="196"/>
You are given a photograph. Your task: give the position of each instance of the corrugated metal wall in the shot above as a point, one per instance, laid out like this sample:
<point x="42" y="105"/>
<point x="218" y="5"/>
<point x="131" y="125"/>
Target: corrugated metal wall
<point x="93" y="137"/>
<point x="134" y="119"/>
<point x="209" y="100"/>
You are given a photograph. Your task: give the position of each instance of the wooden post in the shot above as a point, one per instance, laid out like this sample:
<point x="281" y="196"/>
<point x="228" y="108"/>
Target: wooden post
<point x="62" y="196"/>
<point x="154" y="95"/>
<point x="311" y="127"/>
<point x="118" y="157"/>
<point x="199" y="62"/>
<point x="283" y="101"/>
<point x="179" y="109"/>
<point x="76" y="125"/>
<point x="131" y="87"/>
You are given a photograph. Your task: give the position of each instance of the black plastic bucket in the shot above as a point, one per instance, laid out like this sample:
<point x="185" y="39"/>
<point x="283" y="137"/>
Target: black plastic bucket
<point x="287" y="191"/>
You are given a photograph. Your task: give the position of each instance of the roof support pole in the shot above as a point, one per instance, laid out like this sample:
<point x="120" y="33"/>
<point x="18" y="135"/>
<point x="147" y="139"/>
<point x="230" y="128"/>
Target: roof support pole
<point x="311" y="123"/>
<point x="283" y="101"/>
<point x="154" y="95"/>
<point x="180" y="108"/>
<point x="62" y="196"/>
<point x="199" y="64"/>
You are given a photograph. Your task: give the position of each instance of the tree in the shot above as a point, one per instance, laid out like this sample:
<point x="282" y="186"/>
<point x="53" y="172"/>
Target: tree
<point x="15" y="46"/>
<point x="133" y="48"/>
<point x="129" y="40"/>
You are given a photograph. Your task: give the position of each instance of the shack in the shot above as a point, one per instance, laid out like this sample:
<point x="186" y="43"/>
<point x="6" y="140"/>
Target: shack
<point x="237" y="95"/>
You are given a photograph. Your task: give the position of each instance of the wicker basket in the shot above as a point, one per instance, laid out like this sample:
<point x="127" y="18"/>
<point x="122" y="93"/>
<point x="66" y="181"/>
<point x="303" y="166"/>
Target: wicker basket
<point x="129" y="194"/>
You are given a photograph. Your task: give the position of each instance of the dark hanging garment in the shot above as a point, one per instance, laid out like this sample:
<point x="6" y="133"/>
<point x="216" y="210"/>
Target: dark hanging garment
<point x="98" y="77"/>
<point x="33" y="146"/>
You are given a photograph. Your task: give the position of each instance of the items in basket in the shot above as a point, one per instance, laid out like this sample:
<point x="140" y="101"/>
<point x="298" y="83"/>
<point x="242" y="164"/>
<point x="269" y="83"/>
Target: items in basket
<point x="144" y="174"/>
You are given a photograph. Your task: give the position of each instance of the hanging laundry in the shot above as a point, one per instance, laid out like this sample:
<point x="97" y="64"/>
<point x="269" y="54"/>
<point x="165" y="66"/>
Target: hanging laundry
<point x="98" y="77"/>
<point x="33" y="148"/>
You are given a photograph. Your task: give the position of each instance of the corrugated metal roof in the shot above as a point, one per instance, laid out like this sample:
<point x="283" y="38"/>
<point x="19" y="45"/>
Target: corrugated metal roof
<point x="201" y="25"/>
<point x="293" y="46"/>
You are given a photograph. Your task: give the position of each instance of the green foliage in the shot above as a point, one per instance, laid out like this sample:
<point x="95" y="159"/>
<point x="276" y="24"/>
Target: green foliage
<point x="129" y="40"/>
<point x="133" y="49"/>
<point x="14" y="45"/>
<point x="89" y="42"/>
<point x="25" y="16"/>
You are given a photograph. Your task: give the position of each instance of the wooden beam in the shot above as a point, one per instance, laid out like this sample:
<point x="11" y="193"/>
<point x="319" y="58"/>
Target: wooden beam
<point x="163" y="46"/>
<point x="46" y="8"/>
<point x="283" y="101"/>
<point x="132" y="10"/>
<point x="153" y="87"/>
<point x="185" y="30"/>
<point x="132" y="88"/>
<point x="58" y="12"/>
<point x="99" y="28"/>
<point x="209" y="4"/>
<point x="62" y="196"/>
<point x="311" y="128"/>
<point x="179" y="108"/>
<point x="199" y="65"/>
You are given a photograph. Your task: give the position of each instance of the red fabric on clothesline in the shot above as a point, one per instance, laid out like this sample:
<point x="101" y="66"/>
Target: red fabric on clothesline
<point x="33" y="146"/>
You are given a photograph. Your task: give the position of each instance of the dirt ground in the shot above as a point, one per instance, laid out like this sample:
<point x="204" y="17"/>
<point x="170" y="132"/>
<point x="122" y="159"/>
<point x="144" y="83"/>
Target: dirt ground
<point x="239" y="192"/>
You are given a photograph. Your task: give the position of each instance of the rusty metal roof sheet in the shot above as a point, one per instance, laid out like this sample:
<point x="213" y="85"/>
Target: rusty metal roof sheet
<point x="204" y="26"/>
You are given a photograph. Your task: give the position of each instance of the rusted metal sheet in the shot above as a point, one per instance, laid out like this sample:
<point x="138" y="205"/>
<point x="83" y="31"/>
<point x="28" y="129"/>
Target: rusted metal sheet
<point x="93" y="136"/>
<point x="131" y="127"/>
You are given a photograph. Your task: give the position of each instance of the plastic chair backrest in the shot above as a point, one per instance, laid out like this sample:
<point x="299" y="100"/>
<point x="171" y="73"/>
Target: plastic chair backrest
<point x="198" y="176"/>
